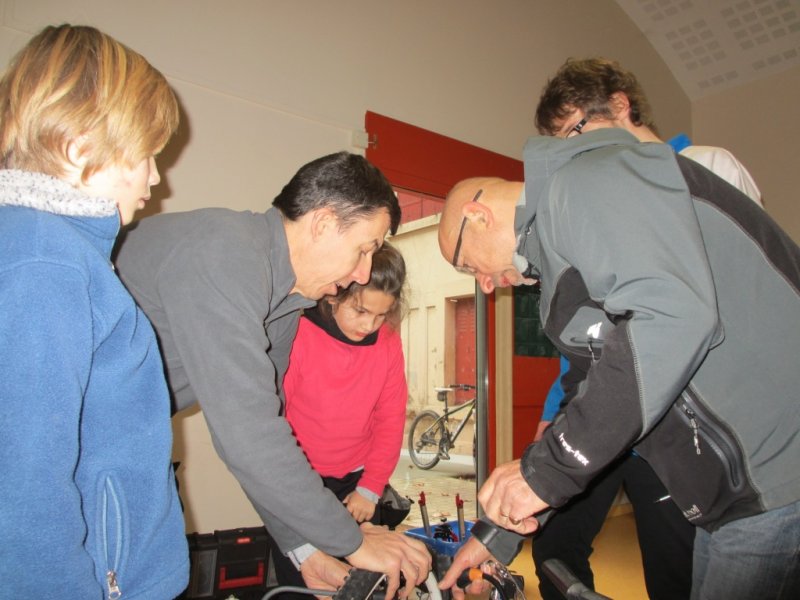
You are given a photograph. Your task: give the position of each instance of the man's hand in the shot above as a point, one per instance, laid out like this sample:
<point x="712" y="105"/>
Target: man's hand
<point x="509" y="501"/>
<point x="389" y="552"/>
<point x="358" y="506"/>
<point x="471" y="554"/>
<point x="322" y="571"/>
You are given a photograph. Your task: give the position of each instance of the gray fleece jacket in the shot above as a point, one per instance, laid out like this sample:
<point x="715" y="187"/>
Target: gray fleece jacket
<point x="677" y="297"/>
<point x="216" y="285"/>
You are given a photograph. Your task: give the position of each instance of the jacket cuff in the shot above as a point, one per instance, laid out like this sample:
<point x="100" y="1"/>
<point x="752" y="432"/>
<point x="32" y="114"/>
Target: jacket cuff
<point x="503" y="544"/>
<point x="368" y="494"/>
<point x="300" y="554"/>
<point x="537" y="480"/>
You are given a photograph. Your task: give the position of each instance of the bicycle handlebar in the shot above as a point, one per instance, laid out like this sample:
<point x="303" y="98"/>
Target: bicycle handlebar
<point x="567" y="583"/>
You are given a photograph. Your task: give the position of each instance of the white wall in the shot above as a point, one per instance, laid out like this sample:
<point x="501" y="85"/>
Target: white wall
<point x="266" y="85"/>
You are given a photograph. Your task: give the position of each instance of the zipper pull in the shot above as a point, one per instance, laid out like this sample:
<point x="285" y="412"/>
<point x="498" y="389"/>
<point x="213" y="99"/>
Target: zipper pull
<point x="592" y="334"/>
<point x="695" y="430"/>
<point x="113" y="588"/>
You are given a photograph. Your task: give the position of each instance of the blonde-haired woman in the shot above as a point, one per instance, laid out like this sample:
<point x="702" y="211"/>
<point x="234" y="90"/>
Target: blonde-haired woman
<point x="88" y="502"/>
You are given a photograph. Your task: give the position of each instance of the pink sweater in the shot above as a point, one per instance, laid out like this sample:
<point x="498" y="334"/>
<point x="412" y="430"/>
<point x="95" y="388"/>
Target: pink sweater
<point x="347" y="403"/>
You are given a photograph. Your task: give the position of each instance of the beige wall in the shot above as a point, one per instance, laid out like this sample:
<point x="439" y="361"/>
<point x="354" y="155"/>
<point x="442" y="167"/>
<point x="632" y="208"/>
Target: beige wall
<point x="266" y="85"/>
<point x="758" y="122"/>
<point x="432" y="283"/>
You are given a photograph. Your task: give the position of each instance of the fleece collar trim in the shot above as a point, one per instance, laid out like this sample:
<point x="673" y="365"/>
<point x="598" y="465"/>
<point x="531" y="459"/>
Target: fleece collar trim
<point x="50" y="194"/>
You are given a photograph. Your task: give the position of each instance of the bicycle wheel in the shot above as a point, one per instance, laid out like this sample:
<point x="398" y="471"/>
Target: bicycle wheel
<point x="424" y="439"/>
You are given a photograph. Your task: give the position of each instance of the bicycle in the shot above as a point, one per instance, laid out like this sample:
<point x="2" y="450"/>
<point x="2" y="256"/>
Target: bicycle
<point x="430" y="437"/>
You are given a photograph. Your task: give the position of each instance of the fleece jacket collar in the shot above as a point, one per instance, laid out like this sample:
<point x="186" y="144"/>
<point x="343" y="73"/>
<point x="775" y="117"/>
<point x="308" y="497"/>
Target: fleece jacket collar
<point x="95" y="219"/>
<point x="50" y="194"/>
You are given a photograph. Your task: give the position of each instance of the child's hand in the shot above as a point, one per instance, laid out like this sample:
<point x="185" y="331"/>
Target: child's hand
<point x="361" y="508"/>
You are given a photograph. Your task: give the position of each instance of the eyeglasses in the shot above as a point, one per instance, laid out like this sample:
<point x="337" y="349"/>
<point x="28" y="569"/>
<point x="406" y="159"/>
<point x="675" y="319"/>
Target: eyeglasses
<point x="577" y="129"/>
<point x="459" y="239"/>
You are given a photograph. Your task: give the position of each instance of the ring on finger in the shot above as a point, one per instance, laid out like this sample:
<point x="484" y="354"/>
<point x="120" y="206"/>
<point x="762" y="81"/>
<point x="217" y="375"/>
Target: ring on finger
<point x="514" y="521"/>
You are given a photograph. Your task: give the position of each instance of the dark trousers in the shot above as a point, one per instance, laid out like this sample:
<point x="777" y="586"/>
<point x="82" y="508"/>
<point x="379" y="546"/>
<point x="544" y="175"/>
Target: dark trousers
<point x="666" y="538"/>
<point x="285" y="571"/>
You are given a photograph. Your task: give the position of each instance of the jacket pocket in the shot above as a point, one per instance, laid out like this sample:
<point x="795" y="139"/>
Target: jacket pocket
<point x="710" y="436"/>
<point x="700" y="463"/>
<point x="113" y="533"/>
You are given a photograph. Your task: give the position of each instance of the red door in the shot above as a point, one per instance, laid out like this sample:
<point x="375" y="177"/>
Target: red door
<point x="465" y="346"/>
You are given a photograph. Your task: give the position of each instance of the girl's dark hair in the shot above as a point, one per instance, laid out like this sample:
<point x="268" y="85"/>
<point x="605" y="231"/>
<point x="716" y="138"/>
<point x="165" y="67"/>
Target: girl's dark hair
<point x="388" y="276"/>
<point x="348" y="183"/>
<point x="588" y="84"/>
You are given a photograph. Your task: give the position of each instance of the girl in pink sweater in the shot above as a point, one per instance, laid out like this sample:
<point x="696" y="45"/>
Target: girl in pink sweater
<point x="346" y="388"/>
<point x="346" y="391"/>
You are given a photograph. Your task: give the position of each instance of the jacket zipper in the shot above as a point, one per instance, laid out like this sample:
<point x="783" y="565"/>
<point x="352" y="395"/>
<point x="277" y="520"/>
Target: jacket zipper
<point x="715" y="438"/>
<point x="111" y="575"/>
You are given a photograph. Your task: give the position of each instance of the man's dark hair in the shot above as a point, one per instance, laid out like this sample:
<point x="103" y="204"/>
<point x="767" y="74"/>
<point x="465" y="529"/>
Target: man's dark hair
<point x="588" y="84"/>
<point x="348" y="183"/>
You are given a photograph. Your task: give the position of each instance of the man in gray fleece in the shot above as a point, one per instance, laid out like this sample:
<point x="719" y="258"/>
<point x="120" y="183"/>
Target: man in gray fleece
<point x="678" y="298"/>
<point x="224" y="291"/>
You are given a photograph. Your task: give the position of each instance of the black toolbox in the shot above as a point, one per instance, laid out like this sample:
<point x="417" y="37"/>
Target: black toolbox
<point x="230" y="562"/>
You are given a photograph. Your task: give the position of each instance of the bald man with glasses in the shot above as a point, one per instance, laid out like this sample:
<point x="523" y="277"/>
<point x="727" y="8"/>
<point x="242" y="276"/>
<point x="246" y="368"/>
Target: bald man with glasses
<point x="641" y="256"/>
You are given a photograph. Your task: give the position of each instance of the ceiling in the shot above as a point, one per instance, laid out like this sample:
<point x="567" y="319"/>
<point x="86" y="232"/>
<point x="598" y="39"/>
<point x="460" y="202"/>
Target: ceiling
<point x="712" y="45"/>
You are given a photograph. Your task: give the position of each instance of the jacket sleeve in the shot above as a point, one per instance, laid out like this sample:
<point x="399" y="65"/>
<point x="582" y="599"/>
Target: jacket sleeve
<point x="388" y="421"/>
<point x="235" y="364"/>
<point x="625" y="222"/>
<point x="501" y="543"/>
<point x="46" y="332"/>
<point x="556" y="394"/>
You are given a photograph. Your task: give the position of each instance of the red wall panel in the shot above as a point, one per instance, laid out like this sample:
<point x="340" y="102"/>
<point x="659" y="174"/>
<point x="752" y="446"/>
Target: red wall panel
<point x="417" y="159"/>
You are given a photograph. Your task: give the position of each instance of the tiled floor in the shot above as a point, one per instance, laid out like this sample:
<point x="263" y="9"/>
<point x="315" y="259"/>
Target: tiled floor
<point x="440" y="485"/>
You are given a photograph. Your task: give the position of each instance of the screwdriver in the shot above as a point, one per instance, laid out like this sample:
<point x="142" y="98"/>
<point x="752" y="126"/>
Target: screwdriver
<point x="424" y="510"/>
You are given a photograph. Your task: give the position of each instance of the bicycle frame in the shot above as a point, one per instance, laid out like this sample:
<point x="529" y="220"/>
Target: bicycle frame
<point x="462" y="423"/>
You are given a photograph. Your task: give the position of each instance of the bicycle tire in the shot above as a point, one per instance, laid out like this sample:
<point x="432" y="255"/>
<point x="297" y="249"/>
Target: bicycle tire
<point x="424" y="439"/>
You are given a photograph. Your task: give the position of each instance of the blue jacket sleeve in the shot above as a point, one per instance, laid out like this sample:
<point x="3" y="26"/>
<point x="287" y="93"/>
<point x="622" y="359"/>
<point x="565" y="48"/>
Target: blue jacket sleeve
<point x="556" y="394"/>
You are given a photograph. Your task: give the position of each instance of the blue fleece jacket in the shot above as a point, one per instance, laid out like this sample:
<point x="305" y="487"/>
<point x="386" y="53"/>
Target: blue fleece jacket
<point x="88" y="505"/>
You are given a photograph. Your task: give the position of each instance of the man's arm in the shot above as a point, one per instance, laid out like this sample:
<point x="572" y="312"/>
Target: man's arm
<point x="487" y="541"/>
<point x="632" y="236"/>
<point x="215" y="300"/>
